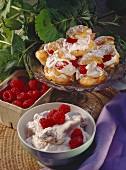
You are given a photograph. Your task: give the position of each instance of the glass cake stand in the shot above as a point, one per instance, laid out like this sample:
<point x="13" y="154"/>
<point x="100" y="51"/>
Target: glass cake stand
<point x="76" y="93"/>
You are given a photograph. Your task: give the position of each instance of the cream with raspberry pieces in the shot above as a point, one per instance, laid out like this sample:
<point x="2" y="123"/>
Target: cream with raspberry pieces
<point x="57" y="130"/>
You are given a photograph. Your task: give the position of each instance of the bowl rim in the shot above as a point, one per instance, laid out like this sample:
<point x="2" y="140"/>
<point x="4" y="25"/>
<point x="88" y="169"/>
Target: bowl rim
<point x="58" y="152"/>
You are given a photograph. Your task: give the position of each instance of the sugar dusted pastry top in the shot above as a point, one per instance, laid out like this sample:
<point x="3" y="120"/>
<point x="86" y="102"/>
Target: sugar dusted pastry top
<point x="81" y="57"/>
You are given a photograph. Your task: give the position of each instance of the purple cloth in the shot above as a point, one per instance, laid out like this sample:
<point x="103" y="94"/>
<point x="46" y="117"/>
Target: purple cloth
<point x="110" y="138"/>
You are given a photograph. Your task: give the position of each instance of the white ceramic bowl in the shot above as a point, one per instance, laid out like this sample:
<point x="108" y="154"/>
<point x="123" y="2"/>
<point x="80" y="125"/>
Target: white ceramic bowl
<point x="53" y="159"/>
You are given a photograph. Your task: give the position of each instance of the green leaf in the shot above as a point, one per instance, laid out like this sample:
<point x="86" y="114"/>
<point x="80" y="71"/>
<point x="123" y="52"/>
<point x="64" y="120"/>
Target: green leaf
<point x="108" y="23"/>
<point x="4" y="58"/>
<point x="124" y="46"/>
<point x="7" y="9"/>
<point x="27" y="6"/>
<point x="9" y="65"/>
<point x="7" y="33"/>
<point x="2" y="4"/>
<point x="18" y="45"/>
<point x="12" y="24"/>
<point x="53" y="22"/>
<point x="47" y="22"/>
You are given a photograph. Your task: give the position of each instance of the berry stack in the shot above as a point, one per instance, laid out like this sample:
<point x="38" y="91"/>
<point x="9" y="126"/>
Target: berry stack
<point x="23" y="92"/>
<point x="18" y="94"/>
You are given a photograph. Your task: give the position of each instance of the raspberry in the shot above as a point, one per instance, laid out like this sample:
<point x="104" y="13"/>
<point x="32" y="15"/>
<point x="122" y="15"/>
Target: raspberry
<point x="70" y="40"/>
<point x="17" y="103"/>
<point x="27" y="103"/>
<point x="34" y="84"/>
<point x="61" y="64"/>
<point x="75" y="142"/>
<point x="7" y="88"/>
<point x="16" y="82"/>
<point x="44" y="88"/>
<point x="22" y="96"/>
<point x="101" y="65"/>
<point x="26" y="88"/>
<point x="51" y="113"/>
<point x="34" y="94"/>
<point x="45" y="122"/>
<point x="50" y="51"/>
<point x="74" y="63"/>
<point x="64" y="108"/>
<point x="82" y="69"/>
<point x="107" y="58"/>
<point x="59" y="117"/>
<point x="1" y="94"/>
<point x="8" y="96"/>
<point x="77" y="133"/>
<point x="15" y="90"/>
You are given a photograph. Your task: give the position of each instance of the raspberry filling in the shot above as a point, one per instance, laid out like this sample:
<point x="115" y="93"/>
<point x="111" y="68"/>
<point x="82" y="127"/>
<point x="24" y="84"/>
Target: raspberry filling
<point x="101" y="65"/>
<point x="50" y="51"/>
<point x="70" y="40"/>
<point x="82" y="69"/>
<point x="74" y="63"/>
<point x="61" y="64"/>
<point x="107" y="58"/>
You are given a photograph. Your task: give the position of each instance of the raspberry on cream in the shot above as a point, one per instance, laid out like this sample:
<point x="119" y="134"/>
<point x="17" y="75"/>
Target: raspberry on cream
<point x="58" y="136"/>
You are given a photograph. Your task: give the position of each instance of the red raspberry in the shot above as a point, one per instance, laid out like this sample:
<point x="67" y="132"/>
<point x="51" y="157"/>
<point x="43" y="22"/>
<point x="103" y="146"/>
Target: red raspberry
<point x="77" y="133"/>
<point x="15" y="90"/>
<point x="27" y="103"/>
<point x="51" y="115"/>
<point x="22" y="96"/>
<point x="75" y="142"/>
<point x="44" y="88"/>
<point x="26" y="88"/>
<point x="34" y="94"/>
<point x="1" y="94"/>
<point x="107" y="58"/>
<point x="101" y="65"/>
<point x="50" y="51"/>
<point x="45" y="122"/>
<point x="17" y="103"/>
<point x="82" y="69"/>
<point x="64" y="108"/>
<point x="74" y="63"/>
<point x="16" y="82"/>
<point x="34" y="84"/>
<point x="70" y="40"/>
<point x="59" y="117"/>
<point x="61" y="64"/>
<point x="8" y="96"/>
<point x="7" y="88"/>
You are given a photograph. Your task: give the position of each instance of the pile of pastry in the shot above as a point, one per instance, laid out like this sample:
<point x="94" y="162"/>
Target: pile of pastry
<point x="81" y="57"/>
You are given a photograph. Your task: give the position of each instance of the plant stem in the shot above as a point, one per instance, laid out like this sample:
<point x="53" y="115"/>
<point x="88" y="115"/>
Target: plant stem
<point x="107" y="14"/>
<point x="14" y="16"/>
<point x="21" y="9"/>
<point x="4" y="42"/>
<point x="23" y="53"/>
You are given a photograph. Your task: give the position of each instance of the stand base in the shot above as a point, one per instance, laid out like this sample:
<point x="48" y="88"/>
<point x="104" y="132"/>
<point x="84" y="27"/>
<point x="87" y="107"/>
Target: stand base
<point x="88" y="101"/>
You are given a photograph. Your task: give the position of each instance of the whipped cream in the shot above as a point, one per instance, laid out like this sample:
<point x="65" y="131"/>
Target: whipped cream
<point x="68" y="69"/>
<point x="81" y="44"/>
<point x="92" y="71"/>
<point x="57" y="137"/>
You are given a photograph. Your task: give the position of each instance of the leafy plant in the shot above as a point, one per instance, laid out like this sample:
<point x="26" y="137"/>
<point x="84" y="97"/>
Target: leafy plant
<point x="22" y="25"/>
